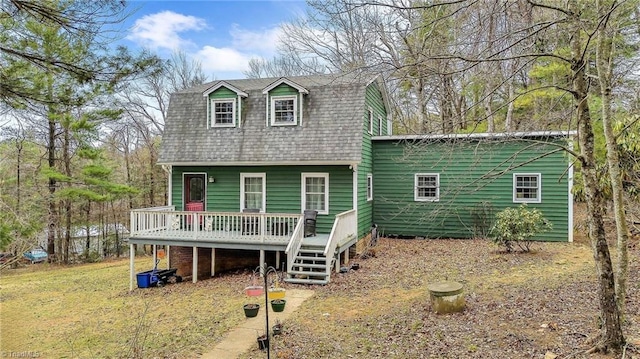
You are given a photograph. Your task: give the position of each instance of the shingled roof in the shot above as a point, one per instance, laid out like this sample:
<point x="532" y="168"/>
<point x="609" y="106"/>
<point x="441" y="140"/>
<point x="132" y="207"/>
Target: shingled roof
<point x="331" y="131"/>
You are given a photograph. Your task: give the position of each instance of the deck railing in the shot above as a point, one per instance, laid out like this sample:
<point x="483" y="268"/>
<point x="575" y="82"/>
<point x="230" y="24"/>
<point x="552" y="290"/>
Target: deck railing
<point x="294" y="245"/>
<point x="202" y="225"/>
<point x="344" y="228"/>
<point x="149" y="219"/>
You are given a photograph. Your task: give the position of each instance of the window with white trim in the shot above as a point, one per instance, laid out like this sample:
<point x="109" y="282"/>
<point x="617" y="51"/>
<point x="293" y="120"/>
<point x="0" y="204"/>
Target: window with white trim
<point x="284" y="110"/>
<point x="223" y="113"/>
<point x="369" y="187"/>
<point x="527" y="187"/>
<point x="370" y="122"/>
<point x="315" y="192"/>
<point x="380" y="125"/>
<point x="427" y="187"/>
<point x="253" y="191"/>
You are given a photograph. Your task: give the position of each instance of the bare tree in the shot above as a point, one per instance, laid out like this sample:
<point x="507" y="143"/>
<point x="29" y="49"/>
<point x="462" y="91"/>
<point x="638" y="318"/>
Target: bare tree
<point x="145" y="102"/>
<point x="605" y="62"/>
<point x="282" y="65"/>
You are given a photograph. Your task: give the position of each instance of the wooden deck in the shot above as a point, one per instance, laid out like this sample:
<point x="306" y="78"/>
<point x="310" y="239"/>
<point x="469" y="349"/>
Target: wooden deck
<point x="280" y="232"/>
<point x="213" y="230"/>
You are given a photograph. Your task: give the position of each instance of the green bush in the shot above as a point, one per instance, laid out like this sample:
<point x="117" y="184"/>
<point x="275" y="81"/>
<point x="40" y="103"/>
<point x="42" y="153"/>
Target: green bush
<point x="517" y="226"/>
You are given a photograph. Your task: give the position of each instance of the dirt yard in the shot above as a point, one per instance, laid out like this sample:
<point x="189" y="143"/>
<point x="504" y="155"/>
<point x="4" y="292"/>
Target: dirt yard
<point x="518" y="305"/>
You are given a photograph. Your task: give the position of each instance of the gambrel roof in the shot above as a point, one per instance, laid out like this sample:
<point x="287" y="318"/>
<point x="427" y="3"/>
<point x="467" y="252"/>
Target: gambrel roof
<point x="332" y="131"/>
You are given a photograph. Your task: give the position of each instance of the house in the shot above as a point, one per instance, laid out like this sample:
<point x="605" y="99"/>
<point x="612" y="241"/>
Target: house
<point x="285" y="170"/>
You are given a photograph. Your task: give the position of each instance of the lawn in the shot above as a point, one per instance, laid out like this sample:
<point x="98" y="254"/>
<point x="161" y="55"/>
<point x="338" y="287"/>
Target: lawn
<point x="518" y="306"/>
<point x="93" y="314"/>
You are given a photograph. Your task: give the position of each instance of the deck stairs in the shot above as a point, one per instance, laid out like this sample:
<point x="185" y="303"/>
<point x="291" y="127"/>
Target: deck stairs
<point x="311" y="266"/>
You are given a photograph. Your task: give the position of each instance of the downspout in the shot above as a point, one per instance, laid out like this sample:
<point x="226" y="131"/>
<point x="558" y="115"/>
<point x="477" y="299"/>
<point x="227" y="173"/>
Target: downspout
<point x="168" y="169"/>
<point x="354" y="167"/>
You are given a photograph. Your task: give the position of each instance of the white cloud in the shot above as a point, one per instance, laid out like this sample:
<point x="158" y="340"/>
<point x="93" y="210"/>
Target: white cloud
<point x="169" y="30"/>
<point x="263" y="43"/>
<point x="222" y="59"/>
<point x="161" y="30"/>
<point x="245" y="44"/>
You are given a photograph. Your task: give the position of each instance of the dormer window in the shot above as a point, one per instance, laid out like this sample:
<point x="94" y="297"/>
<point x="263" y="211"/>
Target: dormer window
<point x="224" y="105"/>
<point x="285" y="99"/>
<point x="223" y="113"/>
<point x="283" y="110"/>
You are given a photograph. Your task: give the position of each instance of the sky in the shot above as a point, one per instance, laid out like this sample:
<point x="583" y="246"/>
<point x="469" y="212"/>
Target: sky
<point x="222" y="35"/>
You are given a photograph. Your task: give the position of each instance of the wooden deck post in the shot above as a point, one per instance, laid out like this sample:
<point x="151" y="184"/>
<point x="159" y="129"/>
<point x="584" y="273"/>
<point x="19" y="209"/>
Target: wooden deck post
<point x="213" y="262"/>
<point x="195" y="265"/>
<point x="168" y="257"/>
<point x="277" y="259"/>
<point x="261" y="262"/>
<point x="132" y="256"/>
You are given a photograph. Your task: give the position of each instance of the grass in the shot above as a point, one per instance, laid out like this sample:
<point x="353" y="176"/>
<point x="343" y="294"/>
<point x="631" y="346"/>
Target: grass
<point x="381" y="310"/>
<point x="93" y="314"/>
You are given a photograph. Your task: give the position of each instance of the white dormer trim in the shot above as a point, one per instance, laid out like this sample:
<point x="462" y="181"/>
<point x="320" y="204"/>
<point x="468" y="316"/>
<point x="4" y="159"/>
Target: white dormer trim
<point x="299" y="101"/>
<point x="284" y="80"/>
<point x="240" y="95"/>
<point x="219" y="84"/>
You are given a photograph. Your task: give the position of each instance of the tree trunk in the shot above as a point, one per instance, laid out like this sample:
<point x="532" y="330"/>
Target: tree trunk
<point x="87" y="248"/>
<point x="604" y="58"/>
<point x="508" y="121"/>
<point x="52" y="217"/>
<point x="611" y="336"/>
<point x="66" y="160"/>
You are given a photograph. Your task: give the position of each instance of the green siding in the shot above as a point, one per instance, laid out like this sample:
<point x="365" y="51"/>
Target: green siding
<point x="374" y="102"/>
<point x="222" y="92"/>
<point x="472" y="174"/>
<point x="283" y="189"/>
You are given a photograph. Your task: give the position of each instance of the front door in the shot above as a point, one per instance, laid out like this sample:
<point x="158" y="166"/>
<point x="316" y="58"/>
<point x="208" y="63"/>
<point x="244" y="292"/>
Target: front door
<point x="194" y="192"/>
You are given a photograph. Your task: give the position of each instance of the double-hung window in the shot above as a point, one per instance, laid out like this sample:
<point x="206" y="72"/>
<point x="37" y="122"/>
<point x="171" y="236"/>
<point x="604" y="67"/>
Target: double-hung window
<point x="315" y="192"/>
<point x="427" y="187"/>
<point x="284" y="110"/>
<point x="527" y="187"/>
<point x="253" y="191"/>
<point x="369" y="187"/>
<point x="223" y="113"/>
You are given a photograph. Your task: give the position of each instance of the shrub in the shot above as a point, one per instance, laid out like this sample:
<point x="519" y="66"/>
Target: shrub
<point x="516" y="227"/>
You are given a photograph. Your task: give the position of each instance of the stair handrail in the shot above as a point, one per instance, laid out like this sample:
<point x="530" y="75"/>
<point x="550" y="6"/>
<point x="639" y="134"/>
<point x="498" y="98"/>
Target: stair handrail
<point x="344" y="226"/>
<point x="295" y="243"/>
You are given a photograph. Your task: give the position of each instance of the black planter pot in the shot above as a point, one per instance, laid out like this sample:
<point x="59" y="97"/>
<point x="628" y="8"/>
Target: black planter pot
<point x="278" y="305"/>
<point x="263" y="342"/>
<point x="251" y="310"/>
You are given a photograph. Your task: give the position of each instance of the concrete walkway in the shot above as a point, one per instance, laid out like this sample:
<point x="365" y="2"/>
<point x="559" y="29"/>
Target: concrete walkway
<point x="243" y="338"/>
